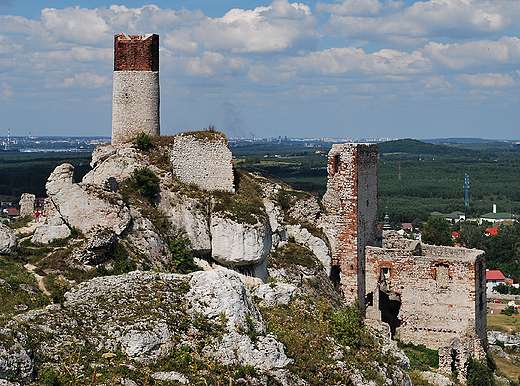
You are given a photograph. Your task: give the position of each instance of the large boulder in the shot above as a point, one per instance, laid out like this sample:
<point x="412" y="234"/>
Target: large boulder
<point x="86" y="206"/>
<point x="15" y="361"/>
<point x="54" y="229"/>
<point x="27" y="204"/>
<point x="239" y="244"/>
<point x="8" y="241"/>
<point x="315" y="244"/>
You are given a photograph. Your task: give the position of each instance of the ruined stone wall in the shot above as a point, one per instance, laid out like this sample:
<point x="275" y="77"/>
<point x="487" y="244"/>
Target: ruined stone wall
<point x="203" y="159"/>
<point x="136" y="96"/>
<point x="440" y="292"/>
<point x="352" y="195"/>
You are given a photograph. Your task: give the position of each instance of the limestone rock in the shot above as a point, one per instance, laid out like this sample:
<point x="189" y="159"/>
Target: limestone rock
<point x="100" y="154"/>
<point x="27" y="204"/>
<point x="315" y="244"/>
<point x="171" y="376"/>
<point x="8" y="241"/>
<point x="189" y="215"/>
<point x="149" y="344"/>
<point x="29" y="289"/>
<point x="238" y="244"/>
<point x="306" y="209"/>
<point x="96" y="247"/>
<point x="274" y="294"/>
<point x="436" y="378"/>
<point x="507" y="339"/>
<point x="15" y="362"/>
<point x="267" y="353"/>
<point x="86" y="207"/>
<point x="5" y="285"/>
<point x="216" y="292"/>
<point x="54" y="229"/>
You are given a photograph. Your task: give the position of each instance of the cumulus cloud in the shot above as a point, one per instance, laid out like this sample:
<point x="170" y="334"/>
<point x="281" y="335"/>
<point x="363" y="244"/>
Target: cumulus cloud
<point x="84" y="80"/>
<point x="488" y="80"/>
<point x="351" y="7"/>
<point x="455" y="19"/>
<point x="344" y="61"/>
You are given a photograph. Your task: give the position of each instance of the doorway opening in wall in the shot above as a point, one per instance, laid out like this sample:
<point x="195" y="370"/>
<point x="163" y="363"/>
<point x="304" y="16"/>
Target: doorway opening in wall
<point x="334" y="276"/>
<point x="389" y="305"/>
<point x="336" y="164"/>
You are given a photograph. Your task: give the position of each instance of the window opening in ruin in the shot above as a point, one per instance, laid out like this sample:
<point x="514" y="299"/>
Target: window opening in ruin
<point x="337" y="162"/>
<point x="369" y="300"/>
<point x="334" y="275"/>
<point x="442" y="276"/>
<point x="454" y="363"/>
<point x="389" y="305"/>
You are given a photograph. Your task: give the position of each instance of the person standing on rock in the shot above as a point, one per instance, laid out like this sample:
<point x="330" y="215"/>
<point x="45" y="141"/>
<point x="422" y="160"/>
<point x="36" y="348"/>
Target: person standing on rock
<point x="38" y="216"/>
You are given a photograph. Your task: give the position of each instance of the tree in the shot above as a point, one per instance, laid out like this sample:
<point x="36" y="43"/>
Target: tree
<point x="437" y="231"/>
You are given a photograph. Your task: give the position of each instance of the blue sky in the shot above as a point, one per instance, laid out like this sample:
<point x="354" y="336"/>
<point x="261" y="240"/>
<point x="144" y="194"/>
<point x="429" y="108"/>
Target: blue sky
<point x="338" y="69"/>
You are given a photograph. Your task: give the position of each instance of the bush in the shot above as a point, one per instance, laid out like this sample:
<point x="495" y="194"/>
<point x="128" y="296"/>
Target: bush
<point x="348" y="326"/>
<point x="143" y="141"/>
<point x="147" y="183"/>
<point x="479" y="373"/>
<point x="182" y="257"/>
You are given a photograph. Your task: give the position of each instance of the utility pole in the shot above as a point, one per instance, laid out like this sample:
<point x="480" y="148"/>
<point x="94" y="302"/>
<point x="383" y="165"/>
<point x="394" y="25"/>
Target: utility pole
<point x="466" y="186"/>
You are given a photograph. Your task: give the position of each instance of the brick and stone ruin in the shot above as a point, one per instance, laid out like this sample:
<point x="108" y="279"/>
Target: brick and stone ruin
<point x="422" y="294"/>
<point x="418" y="293"/>
<point x="135" y="103"/>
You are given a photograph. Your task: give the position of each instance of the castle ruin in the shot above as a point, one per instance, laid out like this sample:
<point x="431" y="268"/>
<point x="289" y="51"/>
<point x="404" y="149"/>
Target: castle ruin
<point x="422" y="294"/>
<point x="135" y="103"/>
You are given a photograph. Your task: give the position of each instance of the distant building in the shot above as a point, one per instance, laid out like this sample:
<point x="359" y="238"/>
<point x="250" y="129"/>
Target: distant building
<point x="12" y="212"/>
<point x="497" y="217"/>
<point x="493" y="278"/>
<point x="451" y="217"/>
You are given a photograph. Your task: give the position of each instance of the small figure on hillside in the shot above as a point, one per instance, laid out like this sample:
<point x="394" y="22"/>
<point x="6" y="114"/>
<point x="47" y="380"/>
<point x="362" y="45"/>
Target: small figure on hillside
<point x="38" y="216"/>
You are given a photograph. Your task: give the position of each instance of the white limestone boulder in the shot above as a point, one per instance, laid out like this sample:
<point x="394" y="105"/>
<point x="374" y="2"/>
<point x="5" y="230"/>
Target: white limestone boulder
<point x="213" y="293"/>
<point x="27" y="204"/>
<point x="8" y="241"/>
<point x="273" y="294"/>
<point x="237" y="244"/>
<point x="315" y="244"/>
<point x="189" y="215"/>
<point x="54" y="229"/>
<point x="85" y="206"/>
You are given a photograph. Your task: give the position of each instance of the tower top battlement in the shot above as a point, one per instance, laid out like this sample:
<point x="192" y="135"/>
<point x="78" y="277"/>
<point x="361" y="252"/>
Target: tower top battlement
<point x="136" y="52"/>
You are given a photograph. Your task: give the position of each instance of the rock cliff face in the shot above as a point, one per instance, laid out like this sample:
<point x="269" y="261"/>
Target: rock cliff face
<point x="8" y="241"/>
<point x="201" y="327"/>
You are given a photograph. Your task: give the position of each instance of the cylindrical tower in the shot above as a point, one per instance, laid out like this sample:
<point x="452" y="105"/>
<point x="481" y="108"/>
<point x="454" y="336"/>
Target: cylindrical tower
<point x="135" y="103"/>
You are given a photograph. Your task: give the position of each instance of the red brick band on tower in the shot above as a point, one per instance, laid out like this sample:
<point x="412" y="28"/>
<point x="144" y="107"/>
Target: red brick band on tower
<point x="136" y="52"/>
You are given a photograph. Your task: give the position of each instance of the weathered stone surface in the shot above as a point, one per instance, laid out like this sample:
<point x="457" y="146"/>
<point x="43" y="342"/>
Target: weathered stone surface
<point x="29" y="289"/>
<point x="101" y="153"/>
<point x="315" y="244"/>
<point x="54" y="229"/>
<point x="189" y="215"/>
<point x="306" y="209"/>
<point x="8" y="241"/>
<point x="236" y="243"/>
<point x="27" y="204"/>
<point x="15" y="362"/>
<point x="267" y="353"/>
<point x="150" y="344"/>
<point x="507" y="339"/>
<point x="436" y="378"/>
<point x="205" y="161"/>
<point x="215" y="292"/>
<point x="274" y="294"/>
<point x="171" y="376"/>
<point x="96" y="248"/>
<point x="86" y="207"/>
<point x="5" y="285"/>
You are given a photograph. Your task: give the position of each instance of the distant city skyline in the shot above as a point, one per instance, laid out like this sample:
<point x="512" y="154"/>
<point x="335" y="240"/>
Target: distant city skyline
<point x="330" y="68"/>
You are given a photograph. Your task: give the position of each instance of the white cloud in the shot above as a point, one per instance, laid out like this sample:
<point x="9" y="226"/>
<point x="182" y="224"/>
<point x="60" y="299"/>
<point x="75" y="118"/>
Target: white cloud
<point x="351" y="7"/>
<point x="459" y="56"/>
<point x="487" y="80"/>
<point x="84" y="80"/>
<point x="342" y="61"/>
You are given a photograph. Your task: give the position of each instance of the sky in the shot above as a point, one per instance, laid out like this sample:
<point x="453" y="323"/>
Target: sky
<point x="311" y="69"/>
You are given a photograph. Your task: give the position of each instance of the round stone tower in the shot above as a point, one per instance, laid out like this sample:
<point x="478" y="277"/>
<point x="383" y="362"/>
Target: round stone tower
<point x="135" y="103"/>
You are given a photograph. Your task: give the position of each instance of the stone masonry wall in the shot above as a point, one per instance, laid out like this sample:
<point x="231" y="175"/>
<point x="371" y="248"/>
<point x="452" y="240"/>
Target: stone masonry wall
<point x="203" y="161"/>
<point x="352" y="195"/>
<point x="438" y="292"/>
<point x="136" y="95"/>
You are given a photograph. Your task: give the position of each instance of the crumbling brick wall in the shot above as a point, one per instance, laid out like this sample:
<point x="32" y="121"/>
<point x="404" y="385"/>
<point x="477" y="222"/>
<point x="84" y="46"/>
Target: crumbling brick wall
<point x="136" y="96"/>
<point x="203" y="159"/>
<point x="352" y="196"/>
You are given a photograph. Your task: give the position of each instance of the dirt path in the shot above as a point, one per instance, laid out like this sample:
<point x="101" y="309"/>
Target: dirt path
<point x="39" y="279"/>
<point x="31" y="227"/>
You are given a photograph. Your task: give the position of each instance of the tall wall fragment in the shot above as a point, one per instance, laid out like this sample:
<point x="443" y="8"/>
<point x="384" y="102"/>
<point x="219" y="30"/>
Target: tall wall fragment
<point x="135" y="104"/>
<point x="352" y="197"/>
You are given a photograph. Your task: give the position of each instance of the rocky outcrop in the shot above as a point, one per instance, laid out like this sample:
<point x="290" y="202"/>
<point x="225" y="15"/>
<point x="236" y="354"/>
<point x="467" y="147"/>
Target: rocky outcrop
<point x="315" y="244"/>
<point x="306" y="209"/>
<point x="237" y="244"/>
<point x="27" y="204"/>
<point x="8" y="241"/>
<point x="274" y="294"/>
<point x="15" y="361"/>
<point x="86" y="207"/>
<point x="96" y="248"/>
<point x="54" y="229"/>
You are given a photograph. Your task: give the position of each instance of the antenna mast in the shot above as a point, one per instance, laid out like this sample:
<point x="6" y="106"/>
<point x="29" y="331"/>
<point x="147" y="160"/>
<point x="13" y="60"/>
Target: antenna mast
<point x="466" y="186"/>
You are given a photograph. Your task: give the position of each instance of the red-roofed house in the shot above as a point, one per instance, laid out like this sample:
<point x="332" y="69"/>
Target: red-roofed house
<point x="12" y="212"/>
<point x="491" y="231"/>
<point x="493" y="277"/>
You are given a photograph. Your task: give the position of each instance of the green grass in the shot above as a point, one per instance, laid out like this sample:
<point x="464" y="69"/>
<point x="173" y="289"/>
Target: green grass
<point x="292" y="254"/>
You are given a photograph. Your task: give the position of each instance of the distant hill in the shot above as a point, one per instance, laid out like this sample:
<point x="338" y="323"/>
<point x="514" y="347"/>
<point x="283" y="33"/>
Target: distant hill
<point x="413" y="149"/>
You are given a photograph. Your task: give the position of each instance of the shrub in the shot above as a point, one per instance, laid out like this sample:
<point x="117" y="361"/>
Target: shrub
<point x="143" y="141"/>
<point x="479" y="373"/>
<point x="147" y="183"/>
<point x="348" y="326"/>
<point x="182" y="257"/>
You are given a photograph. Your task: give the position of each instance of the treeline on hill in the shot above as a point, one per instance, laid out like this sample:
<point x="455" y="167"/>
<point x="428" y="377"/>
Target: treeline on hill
<point x="28" y="172"/>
